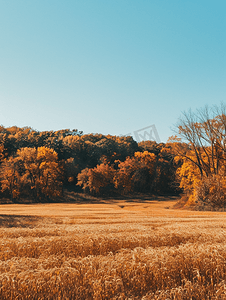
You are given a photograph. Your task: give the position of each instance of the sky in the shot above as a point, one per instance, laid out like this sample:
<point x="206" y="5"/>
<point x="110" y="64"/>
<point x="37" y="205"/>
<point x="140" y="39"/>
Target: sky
<point x="110" y="66"/>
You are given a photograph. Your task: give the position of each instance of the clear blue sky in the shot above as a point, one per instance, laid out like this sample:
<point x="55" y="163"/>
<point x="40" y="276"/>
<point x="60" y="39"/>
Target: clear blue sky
<point x="109" y="66"/>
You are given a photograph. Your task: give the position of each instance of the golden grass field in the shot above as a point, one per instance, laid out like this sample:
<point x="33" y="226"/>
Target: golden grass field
<point x="115" y="249"/>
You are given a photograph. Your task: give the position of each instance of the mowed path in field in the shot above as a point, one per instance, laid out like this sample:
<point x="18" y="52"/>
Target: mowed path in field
<point x="104" y="209"/>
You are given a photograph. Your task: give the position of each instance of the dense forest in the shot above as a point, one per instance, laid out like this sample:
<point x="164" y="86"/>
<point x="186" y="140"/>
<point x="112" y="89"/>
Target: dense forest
<point x="42" y="165"/>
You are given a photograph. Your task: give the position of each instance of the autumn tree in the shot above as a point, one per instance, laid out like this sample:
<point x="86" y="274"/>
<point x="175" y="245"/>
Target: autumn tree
<point x="33" y="171"/>
<point x="98" y="180"/>
<point x="135" y="174"/>
<point x="12" y="178"/>
<point x="164" y="179"/>
<point x="88" y="151"/>
<point x="205" y="132"/>
<point x="205" y="154"/>
<point x="71" y="171"/>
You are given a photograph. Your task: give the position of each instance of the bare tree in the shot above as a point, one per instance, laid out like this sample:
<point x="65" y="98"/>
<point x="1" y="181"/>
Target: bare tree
<point x="205" y="132"/>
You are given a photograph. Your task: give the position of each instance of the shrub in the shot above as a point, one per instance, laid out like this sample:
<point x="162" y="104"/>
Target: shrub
<point x="210" y="194"/>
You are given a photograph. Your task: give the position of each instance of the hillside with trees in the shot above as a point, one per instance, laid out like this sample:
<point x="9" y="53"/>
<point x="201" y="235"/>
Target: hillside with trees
<point x="41" y="166"/>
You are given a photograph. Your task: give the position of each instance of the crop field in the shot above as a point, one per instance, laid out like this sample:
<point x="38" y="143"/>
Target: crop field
<point x="116" y="249"/>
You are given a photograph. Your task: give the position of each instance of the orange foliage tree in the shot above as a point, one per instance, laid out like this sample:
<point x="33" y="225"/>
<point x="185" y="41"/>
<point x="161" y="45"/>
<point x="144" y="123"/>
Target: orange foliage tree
<point x="135" y="173"/>
<point x="98" y="180"/>
<point x="33" y="171"/>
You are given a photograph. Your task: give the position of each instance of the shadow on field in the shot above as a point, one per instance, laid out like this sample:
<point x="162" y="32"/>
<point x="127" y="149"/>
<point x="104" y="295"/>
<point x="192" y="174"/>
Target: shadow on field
<point x="19" y="221"/>
<point x="81" y="198"/>
<point x="148" y="198"/>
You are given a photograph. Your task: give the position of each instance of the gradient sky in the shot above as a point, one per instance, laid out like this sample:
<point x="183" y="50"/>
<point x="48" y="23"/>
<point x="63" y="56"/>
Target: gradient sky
<point x="109" y="66"/>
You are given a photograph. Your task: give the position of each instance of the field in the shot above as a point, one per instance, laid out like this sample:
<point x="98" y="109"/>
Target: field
<point x="115" y="249"/>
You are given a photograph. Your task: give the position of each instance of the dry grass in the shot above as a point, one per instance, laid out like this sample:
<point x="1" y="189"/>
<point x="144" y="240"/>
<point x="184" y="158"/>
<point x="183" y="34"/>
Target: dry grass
<point x="119" y="250"/>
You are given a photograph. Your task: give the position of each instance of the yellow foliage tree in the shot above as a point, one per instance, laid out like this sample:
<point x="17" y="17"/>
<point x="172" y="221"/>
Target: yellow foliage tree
<point x="35" y="170"/>
<point x="11" y="180"/>
<point x="135" y="173"/>
<point x="203" y="158"/>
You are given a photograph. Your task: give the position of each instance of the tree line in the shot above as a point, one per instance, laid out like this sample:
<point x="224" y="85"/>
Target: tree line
<point x="42" y="165"/>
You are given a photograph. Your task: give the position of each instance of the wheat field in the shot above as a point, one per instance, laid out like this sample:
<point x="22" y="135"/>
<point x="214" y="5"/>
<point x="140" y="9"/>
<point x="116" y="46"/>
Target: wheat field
<point x="116" y="249"/>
